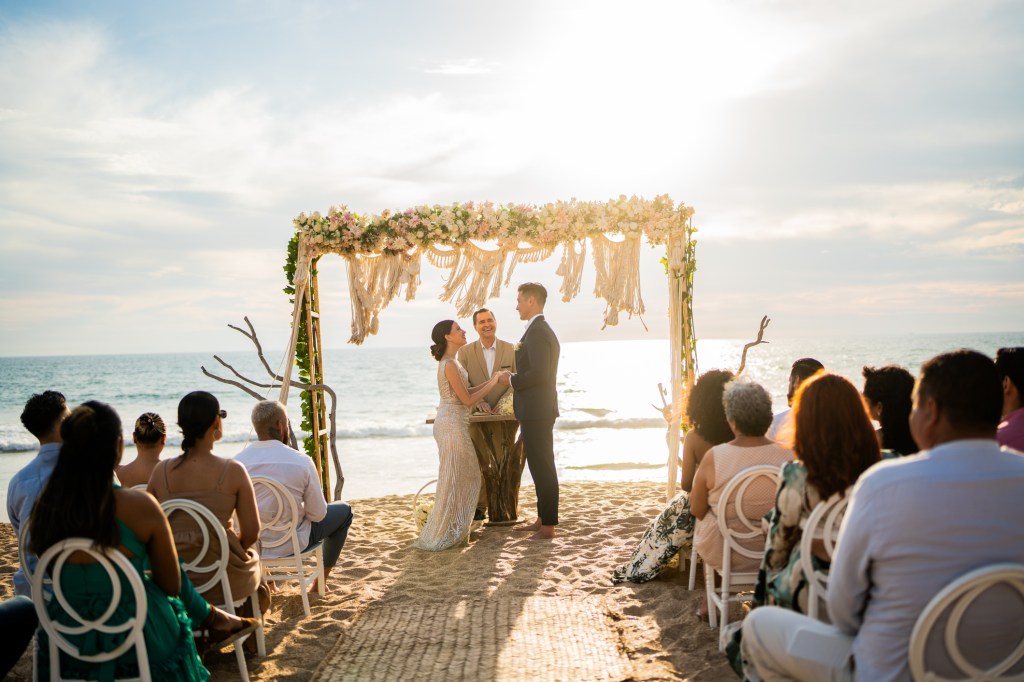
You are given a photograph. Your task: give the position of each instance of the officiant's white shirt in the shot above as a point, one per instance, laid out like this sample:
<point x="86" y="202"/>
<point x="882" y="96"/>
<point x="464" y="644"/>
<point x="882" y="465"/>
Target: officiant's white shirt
<point x="490" y="355"/>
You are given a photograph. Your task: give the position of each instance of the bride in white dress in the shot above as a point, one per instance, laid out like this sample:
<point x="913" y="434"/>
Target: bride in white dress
<point x="458" y="477"/>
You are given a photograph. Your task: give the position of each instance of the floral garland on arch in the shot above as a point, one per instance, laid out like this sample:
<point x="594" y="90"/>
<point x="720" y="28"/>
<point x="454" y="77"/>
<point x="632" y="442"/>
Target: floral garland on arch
<point x="451" y="237"/>
<point x="345" y="232"/>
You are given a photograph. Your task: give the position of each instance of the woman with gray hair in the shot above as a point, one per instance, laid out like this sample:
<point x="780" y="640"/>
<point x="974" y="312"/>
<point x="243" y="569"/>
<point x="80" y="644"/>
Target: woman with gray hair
<point x="748" y="409"/>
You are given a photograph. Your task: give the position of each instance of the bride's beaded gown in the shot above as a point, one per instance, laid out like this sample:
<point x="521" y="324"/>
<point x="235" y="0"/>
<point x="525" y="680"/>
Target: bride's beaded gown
<point x="458" y="476"/>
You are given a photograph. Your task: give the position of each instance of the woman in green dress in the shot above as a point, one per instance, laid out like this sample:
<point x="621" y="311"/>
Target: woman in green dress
<point x="80" y="500"/>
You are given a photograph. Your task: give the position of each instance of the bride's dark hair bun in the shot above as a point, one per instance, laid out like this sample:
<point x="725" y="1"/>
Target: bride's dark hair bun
<point x="440" y="345"/>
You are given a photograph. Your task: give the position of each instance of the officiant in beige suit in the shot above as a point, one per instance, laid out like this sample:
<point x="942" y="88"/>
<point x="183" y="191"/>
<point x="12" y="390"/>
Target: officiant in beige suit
<point x="482" y="359"/>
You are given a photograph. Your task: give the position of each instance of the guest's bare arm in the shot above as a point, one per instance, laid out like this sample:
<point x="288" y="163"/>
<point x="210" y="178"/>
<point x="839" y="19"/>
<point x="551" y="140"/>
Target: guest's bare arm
<point x="694" y="448"/>
<point x="140" y="512"/>
<point x="703" y="482"/>
<point x="468" y="397"/>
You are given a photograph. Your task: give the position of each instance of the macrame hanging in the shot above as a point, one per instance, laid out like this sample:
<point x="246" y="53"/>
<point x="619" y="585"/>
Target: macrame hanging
<point x="618" y="277"/>
<point x="475" y="277"/>
<point x="373" y="282"/>
<point x="529" y="254"/>
<point x="574" y="255"/>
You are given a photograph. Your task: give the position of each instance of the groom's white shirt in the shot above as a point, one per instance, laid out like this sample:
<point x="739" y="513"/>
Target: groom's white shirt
<point x="530" y="321"/>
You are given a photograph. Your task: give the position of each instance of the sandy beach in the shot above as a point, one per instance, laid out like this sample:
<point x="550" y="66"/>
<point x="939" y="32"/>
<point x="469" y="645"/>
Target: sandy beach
<point x="601" y="631"/>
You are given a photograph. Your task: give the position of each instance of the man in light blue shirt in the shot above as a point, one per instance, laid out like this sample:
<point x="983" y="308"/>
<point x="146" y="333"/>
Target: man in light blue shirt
<point x="42" y="416"/>
<point x="913" y="526"/>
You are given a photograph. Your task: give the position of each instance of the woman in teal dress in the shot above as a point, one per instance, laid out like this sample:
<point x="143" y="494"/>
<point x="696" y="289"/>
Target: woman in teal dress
<point x="834" y="444"/>
<point x="79" y="500"/>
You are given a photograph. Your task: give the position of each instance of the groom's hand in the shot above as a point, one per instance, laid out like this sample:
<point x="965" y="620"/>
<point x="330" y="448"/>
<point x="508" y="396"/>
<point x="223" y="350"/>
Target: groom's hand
<point x="505" y="378"/>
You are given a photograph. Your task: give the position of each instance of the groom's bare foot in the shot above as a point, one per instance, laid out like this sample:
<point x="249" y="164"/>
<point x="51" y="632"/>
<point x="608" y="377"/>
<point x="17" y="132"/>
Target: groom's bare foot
<point x="535" y="526"/>
<point x="544" y="533"/>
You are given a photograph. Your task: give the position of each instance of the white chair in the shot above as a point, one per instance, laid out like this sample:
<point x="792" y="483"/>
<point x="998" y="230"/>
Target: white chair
<point x="957" y="597"/>
<point x="61" y="636"/>
<point x="747" y="542"/>
<point x="215" y="570"/>
<point x="283" y="532"/>
<point x="823" y="525"/>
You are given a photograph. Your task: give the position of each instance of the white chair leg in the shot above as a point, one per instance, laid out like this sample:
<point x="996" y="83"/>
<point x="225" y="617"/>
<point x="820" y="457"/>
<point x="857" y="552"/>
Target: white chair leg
<point x="261" y="643"/>
<point x="694" y="558"/>
<point x="243" y="672"/>
<point x="812" y="602"/>
<point x="303" y="589"/>
<point x="709" y="594"/>
<point x="726" y="593"/>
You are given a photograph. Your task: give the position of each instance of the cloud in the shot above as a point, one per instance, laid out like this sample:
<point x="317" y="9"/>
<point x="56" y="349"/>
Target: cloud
<point x="460" y="67"/>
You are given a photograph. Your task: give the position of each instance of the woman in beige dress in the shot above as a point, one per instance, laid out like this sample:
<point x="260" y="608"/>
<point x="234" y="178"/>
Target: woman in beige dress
<point x="149" y="436"/>
<point x="458" y="477"/>
<point x="748" y="409"/>
<point x="221" y="485"/>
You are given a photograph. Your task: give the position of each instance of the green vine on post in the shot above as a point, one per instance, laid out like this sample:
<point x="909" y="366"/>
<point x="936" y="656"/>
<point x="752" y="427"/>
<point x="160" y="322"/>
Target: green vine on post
<point x="301" y="348"/>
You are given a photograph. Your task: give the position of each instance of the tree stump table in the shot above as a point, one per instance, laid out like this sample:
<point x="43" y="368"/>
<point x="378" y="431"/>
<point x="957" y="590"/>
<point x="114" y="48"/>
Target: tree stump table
<point x="499" y="452"/>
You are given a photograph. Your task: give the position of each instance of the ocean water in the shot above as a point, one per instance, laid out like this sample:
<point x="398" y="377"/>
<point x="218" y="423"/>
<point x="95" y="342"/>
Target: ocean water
<point x="608" y="429"/>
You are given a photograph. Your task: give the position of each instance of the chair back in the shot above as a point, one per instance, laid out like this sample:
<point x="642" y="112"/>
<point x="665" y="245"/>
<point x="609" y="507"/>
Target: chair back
<point x="280" y="528"/>
<point x="823" y="524"/>
<point x="60" y="635"/>
<point x="956" y="598"/>
<point x="742" y="532"/>
<point x="210" y="565"/>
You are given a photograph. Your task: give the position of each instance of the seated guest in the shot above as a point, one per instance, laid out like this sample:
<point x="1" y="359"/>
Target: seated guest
<point x="272" y="458"/>
<point x="1010" y="363"/>
<point x="221" y="485"/>
<point x="887" y="391"/>
<point x="80" y="501"/>
<point x="672" y="530"/>
<point x="913" y="526"/>
<point x="42" y="416"/>
<point x="149" y="436"/>
<point x="833" y="443"/>
<point x="802" y="370"/>
<point x="748" y="409"/>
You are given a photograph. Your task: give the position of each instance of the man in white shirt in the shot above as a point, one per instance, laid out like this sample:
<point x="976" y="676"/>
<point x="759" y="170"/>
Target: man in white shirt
<point x="802" y="370"/>
<point x="272" y="458"/>
<point x="914" y="525"/>
<point x="42" y="416"/>
<point x="482" y="359"/>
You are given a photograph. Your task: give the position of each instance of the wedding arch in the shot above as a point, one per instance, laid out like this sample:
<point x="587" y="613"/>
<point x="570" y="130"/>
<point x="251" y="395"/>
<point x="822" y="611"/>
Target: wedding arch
<point x="480" y="245"/>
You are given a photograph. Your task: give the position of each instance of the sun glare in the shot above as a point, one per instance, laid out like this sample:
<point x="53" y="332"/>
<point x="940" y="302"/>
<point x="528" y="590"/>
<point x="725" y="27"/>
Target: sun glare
<point x="646" y="85"/>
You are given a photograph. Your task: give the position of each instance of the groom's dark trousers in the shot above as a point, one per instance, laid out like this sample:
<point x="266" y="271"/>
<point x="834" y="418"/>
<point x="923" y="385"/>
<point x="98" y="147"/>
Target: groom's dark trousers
<point x="536" y="407"/>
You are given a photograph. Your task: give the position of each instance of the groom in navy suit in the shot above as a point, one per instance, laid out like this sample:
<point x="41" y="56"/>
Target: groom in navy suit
<point x="536" y="404"/>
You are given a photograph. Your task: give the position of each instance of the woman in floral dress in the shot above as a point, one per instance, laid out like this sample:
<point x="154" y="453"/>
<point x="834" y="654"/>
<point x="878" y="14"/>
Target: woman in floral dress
<point x="672" y="530"/>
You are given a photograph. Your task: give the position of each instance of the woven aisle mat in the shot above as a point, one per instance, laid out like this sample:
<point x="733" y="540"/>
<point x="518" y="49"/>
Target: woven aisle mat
<point x="534" y="638"/>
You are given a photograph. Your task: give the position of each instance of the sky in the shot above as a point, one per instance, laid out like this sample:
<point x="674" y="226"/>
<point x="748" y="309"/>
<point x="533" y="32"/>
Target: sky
<point x="855" y="168"/>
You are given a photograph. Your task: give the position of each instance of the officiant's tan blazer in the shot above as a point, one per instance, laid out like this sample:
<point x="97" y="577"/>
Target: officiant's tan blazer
<point x="471" y="356"/>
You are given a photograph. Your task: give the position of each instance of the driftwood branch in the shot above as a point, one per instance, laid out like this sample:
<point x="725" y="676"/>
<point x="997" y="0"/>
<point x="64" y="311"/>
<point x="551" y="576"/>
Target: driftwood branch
<point x="248" y="390"/>
<point x="757" y="342"/>
<point x="276" y="382"/>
